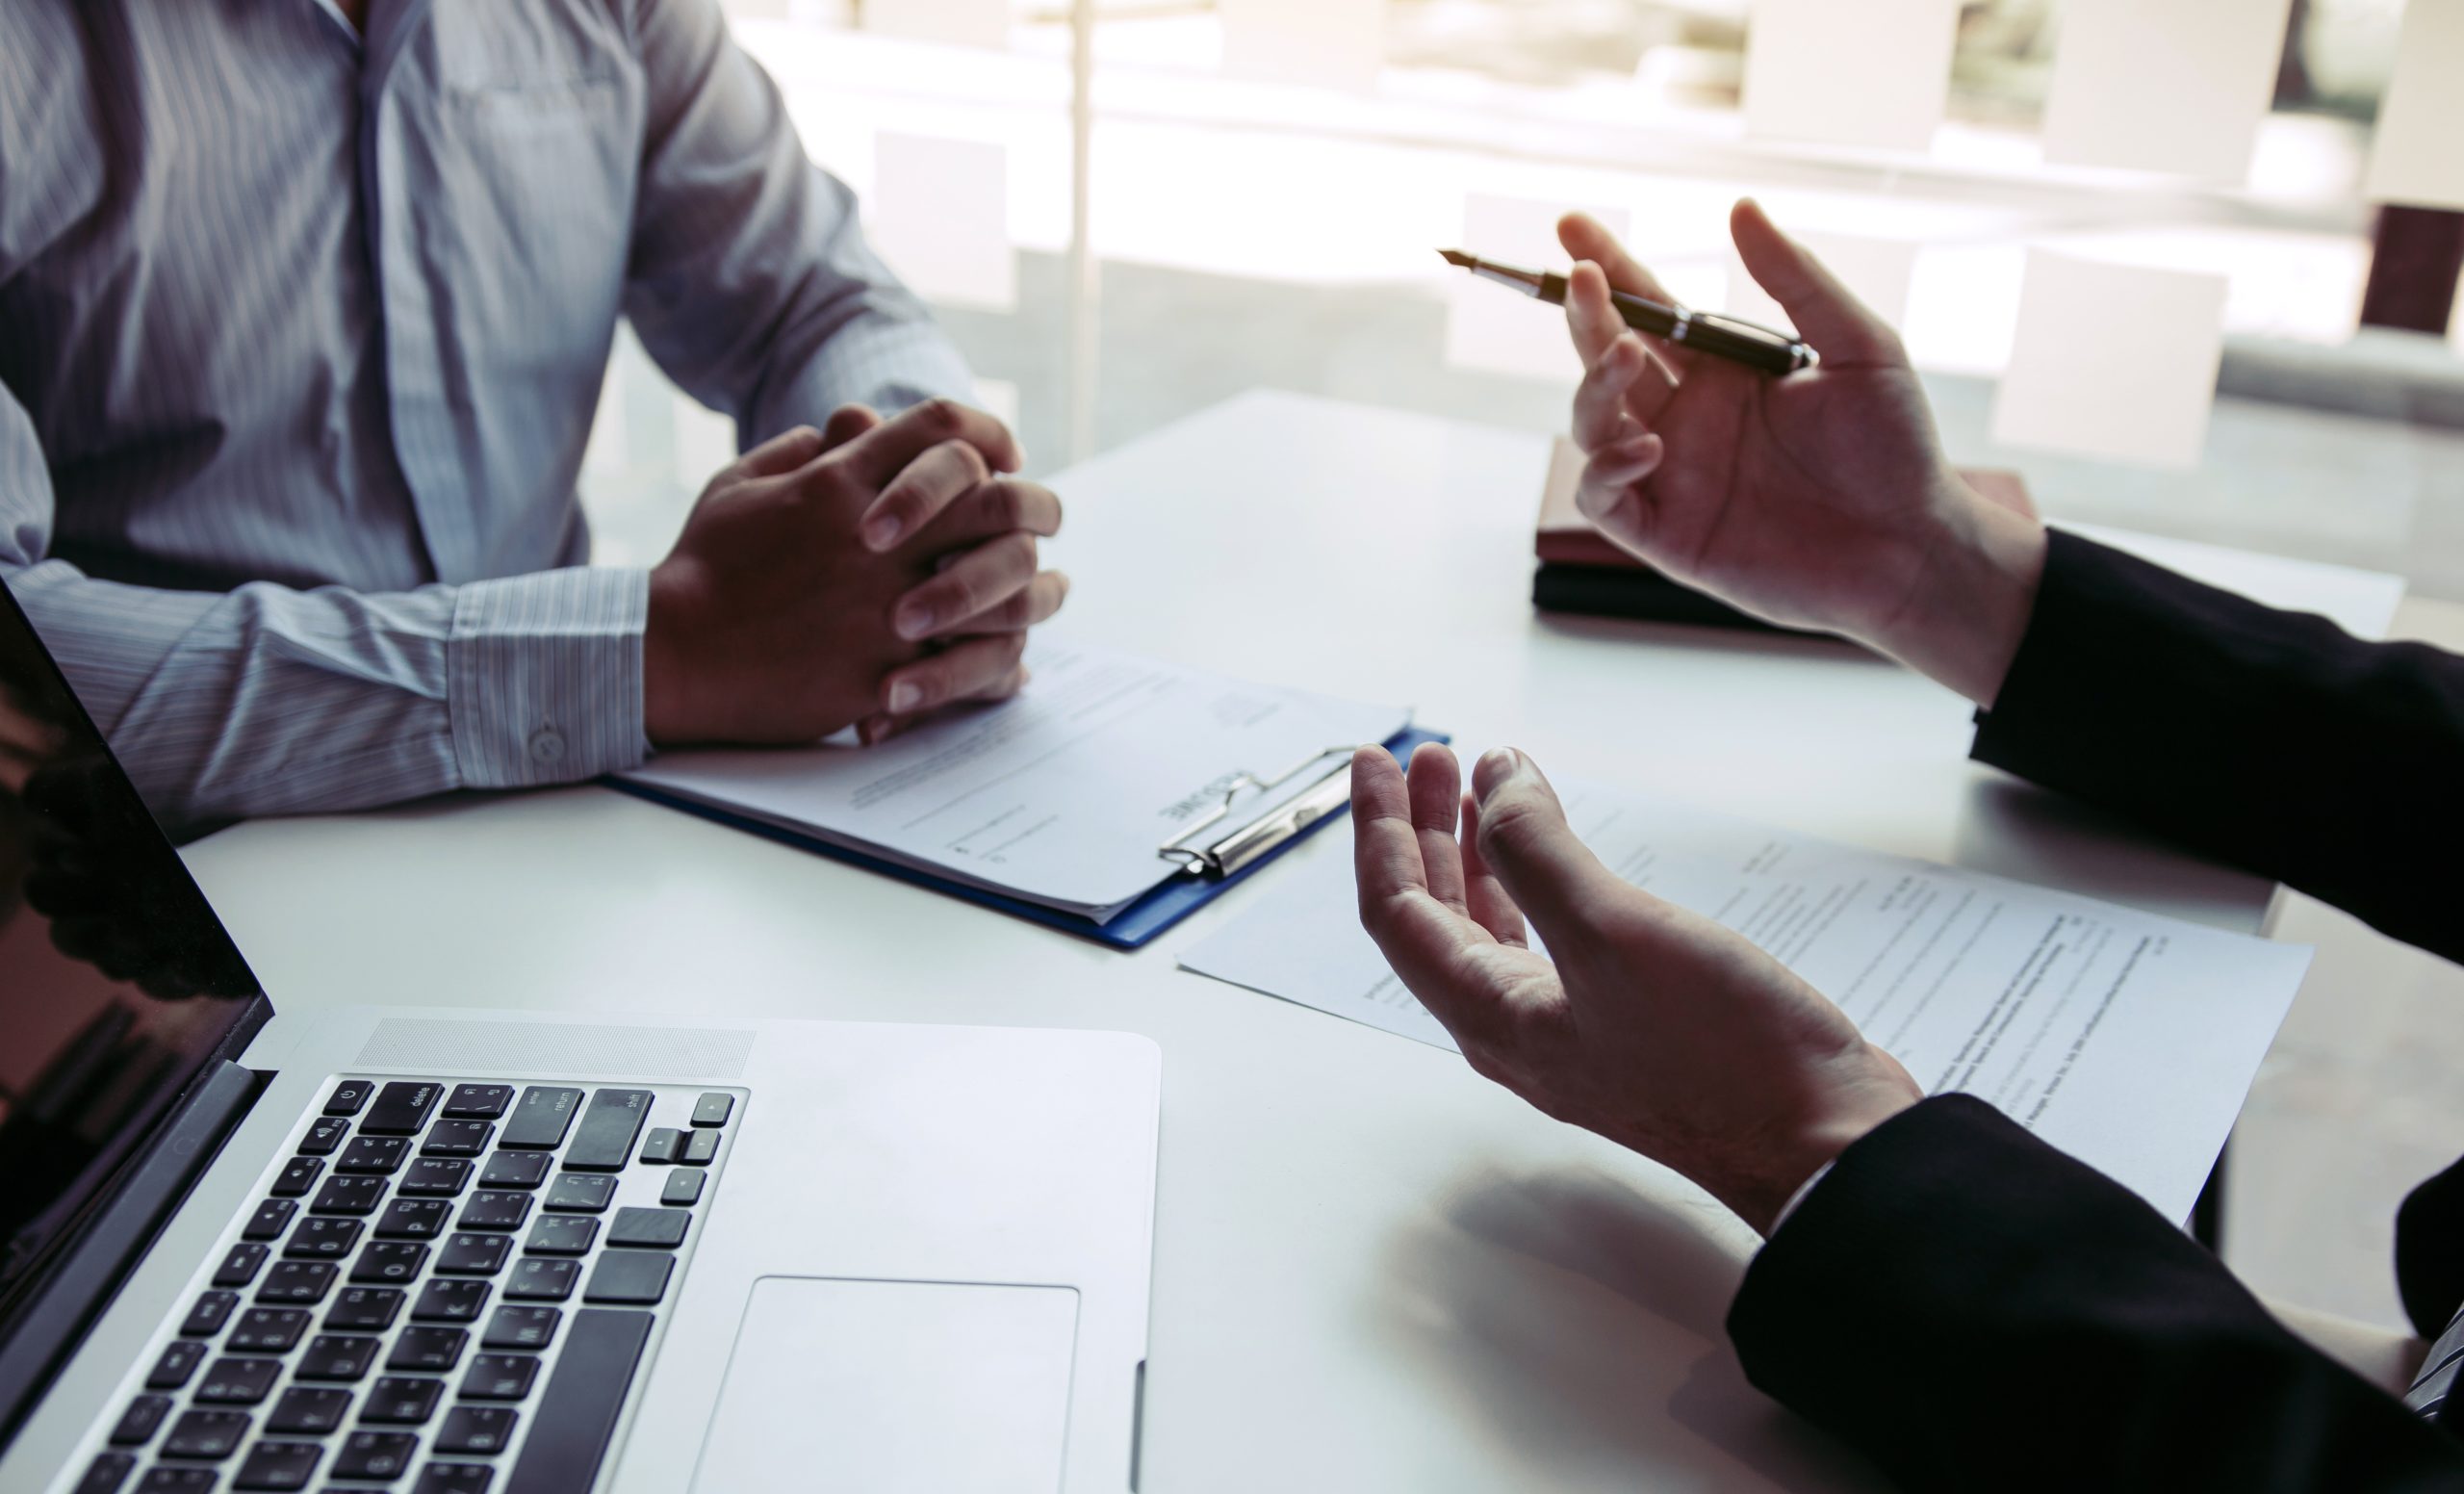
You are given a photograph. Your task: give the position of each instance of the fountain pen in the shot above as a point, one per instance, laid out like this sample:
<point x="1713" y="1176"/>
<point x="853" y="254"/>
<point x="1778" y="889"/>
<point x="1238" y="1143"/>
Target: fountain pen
<point x="1722" y="337"/>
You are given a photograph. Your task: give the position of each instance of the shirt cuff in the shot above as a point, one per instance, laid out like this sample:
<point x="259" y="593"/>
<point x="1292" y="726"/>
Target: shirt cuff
<point x="1799" y="1196"/>
<point x="543" y="677"/>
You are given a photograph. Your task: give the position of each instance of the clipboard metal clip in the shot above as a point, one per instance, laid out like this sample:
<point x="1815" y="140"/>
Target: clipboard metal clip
<point x="1228" y="853"/>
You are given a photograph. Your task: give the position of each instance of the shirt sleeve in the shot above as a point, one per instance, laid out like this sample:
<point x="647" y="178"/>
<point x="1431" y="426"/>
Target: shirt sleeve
<point x="270" y="699"/>
<point x="750" y="280"/>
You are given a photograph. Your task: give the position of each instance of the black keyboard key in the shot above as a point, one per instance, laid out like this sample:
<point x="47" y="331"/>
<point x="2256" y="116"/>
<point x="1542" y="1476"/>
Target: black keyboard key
<point x="683" y="1189"/>
<point x="272" y="1217"/>
<point x="401" y="1401"/>
<point x="521" y="1327"/>
<point x="267" y="1330"/>
<point x="206" y="1436"/>
<point x="401" y="1108"/>
<point x="178" y="1481"/>
<point x="541" y="1119"/>
<point x="561" y="1237"/>
<point x="483" y="1430"/>
<point x="428" y="1351"/>
<point x="649" y="1229"/>
<point x="342" y="1358"/>
<point x="498" y="1211"/>
<point x="323" y="1239"/>
<point x="297" y="1177"/>
<point x="634" y="1278"/>
<point x="235" y="1381"/>
<point x="603" y="1143"/>
<point x="279" y="1466"/>
<point x="349" y="1196"/>
<point x="106" y="1474"/>
<point x="714" y="1108"/>
<point x="436" y="1177"/>
<point x="366" y="1309"/>
<point x="297" y="1283"/>
<point x="498" y="1376"/>
<point x="455" y="1478"/>
<point x="308" y="1412"/>
<point x="663" y="1145"/>
<point x="516" y="1169"/>
<point x="349" y="1097"/>
<point x="212" y="1309"/>
<point x="379" y="1156"/>
<point x="579" y="1193"/>
<point x="324" y="1134"/>
<point x="576" y="1417"/>
<point x="700" y="1149"/>
<point x="374" y="1454"/>
<point x="389" y="1262"/>
<point x="239" y="1267"/>
<point x="451" y="1301"/>
<point x="457" y="1139"/>
<point x="141" y="1421"/>
<point x="542" y="1280"/>
<point x="180" y="1359"/>
<point x="474" y="1255"/>
<point x="414" y="1218"/>
<point x="478" y="1101"/>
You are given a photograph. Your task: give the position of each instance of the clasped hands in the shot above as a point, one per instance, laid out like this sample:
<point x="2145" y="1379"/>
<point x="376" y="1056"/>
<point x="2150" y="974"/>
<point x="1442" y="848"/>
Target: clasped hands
<point x="861" y="575"/>
<point x="1821" y="499"/>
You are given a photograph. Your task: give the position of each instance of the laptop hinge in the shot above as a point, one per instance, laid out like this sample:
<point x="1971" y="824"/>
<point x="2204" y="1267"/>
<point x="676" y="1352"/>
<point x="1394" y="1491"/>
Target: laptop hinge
<point x="108" y="1249"/>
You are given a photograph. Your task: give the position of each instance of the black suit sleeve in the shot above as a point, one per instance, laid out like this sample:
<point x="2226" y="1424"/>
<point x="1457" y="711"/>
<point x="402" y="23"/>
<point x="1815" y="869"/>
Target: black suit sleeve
<point x="2274" y="740"/>
<point x="1975" y="1310"/>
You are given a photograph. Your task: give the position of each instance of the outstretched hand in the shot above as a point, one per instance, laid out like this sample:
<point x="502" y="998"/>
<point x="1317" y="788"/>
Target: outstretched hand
<point x="1663" y="1031"/>
<point x="1819" y="499"/>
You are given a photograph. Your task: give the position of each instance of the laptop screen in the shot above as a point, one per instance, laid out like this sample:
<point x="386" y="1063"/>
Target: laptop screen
<point x="116" y="982"/>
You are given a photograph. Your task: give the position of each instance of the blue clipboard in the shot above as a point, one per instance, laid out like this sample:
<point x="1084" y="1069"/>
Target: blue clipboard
<point x="1134" y="927"/>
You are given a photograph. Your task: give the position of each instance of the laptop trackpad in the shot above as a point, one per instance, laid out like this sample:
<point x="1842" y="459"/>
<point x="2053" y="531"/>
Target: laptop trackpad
<point x="890" y="1386"/>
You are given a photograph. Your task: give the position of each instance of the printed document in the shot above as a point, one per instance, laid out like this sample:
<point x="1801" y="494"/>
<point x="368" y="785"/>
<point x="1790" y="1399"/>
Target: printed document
<point x="1064" y="794"/>
<point x="2125" y="1039"/>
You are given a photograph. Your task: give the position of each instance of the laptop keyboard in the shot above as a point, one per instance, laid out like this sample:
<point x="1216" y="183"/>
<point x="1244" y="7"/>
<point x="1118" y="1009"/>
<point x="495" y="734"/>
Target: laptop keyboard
<point x="447" y="1288"/>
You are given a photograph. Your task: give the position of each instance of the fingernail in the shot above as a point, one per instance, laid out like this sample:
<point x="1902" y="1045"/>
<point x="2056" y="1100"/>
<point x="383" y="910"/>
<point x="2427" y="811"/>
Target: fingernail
<point x="1496" y="767"/>
<point x="881" y="533"/>
<point x="905" y="695"/>
<point x="914" y="620"/>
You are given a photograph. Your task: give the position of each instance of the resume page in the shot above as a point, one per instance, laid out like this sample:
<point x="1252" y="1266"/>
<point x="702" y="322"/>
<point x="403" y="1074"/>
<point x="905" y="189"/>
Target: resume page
<point x="2126" y="1039"/>
<point x="1066" y="792"/>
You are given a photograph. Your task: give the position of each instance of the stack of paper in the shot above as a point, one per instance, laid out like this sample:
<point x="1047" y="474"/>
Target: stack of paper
<point x="2126" y="1039"/>
<point x="1062" y="797"/>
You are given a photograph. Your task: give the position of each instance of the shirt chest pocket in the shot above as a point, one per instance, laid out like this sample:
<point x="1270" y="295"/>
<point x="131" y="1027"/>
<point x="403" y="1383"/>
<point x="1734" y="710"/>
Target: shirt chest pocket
<point x="532" y="203"/>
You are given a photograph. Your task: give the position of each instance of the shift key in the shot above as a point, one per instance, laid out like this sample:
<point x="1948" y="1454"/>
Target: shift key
<point x="540" y="1121"/>
<point x="604" y="1140"/>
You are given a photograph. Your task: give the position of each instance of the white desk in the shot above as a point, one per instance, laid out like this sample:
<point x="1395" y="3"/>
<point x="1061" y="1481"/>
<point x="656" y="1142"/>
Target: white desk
<point x="1373" y="1271"/>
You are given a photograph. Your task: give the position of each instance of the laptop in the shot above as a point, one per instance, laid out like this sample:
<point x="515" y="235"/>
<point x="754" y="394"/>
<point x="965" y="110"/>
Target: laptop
<point x="453" y="1252"/>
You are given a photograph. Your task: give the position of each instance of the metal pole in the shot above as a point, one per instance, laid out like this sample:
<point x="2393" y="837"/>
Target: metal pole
<point x="1084" y="304"/>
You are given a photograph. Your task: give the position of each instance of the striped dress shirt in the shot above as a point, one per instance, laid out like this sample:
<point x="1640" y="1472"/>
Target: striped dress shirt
<point x="301" y="333"/>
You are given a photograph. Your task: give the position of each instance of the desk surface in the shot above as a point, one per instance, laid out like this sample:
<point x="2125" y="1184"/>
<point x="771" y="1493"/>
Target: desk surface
<point x="1372" y="1270"/>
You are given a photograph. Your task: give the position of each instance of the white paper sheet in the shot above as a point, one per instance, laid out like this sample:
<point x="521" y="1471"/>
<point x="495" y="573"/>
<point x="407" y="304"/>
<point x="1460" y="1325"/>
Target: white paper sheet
<point x="2416" y="159"/>
<point x="1489" y="327"/>
<point x="1063" y="794"/>
<point x="1874" y="73"/>
<point x="2177" y="87"/>
<point x="983" y="23"/>
<point x="2126" y="1039"/>
<point x="2113" y="361"/>
<point x="940" y="214"/>
<point x="1323" y="44"/>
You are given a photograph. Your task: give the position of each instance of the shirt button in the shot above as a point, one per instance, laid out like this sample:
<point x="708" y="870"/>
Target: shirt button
<point x="546" y="746"/>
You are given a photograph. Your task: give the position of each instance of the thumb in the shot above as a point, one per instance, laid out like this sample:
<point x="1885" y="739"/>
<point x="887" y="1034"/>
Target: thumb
<point x="847" y="422"/>
<point x="1525" y="840"/>
<point x="1842" y="329"/>
<point x="784" y="452"/>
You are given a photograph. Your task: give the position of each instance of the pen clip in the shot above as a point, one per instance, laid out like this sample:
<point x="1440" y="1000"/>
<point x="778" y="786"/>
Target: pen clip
<point x="1272" y="829"/>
